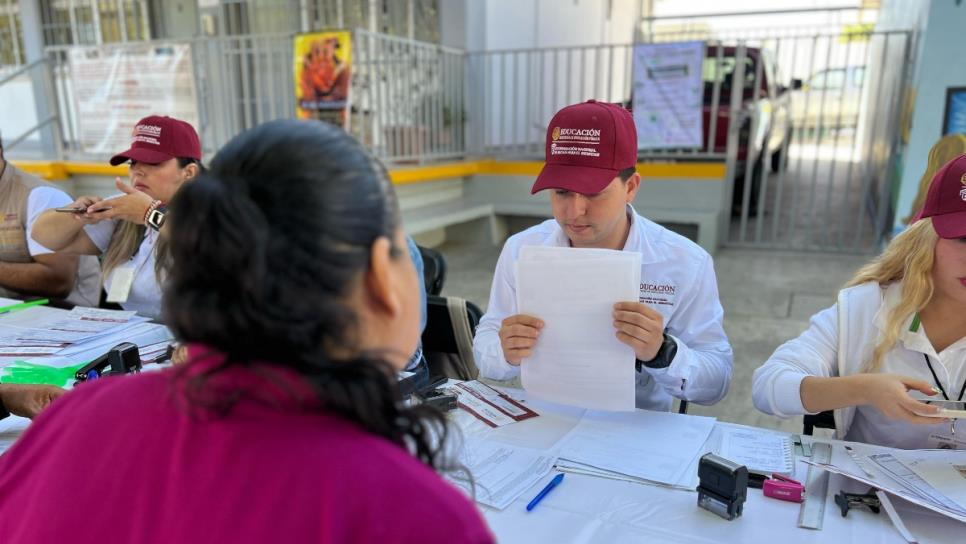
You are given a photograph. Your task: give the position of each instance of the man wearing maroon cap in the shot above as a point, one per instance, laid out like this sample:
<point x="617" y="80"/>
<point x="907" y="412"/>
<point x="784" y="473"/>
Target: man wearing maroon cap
<point x="890" y="356"/>
<point x="675" y="326"/>
<point x="164" y="154"/>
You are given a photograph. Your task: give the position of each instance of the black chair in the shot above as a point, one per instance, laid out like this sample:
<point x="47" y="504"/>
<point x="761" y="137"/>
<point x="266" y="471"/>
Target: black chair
<point x="440" y="346"/>
<point x="434" y="270"/>
<point x="822" y="420"/>
<point x="438" y="334"/>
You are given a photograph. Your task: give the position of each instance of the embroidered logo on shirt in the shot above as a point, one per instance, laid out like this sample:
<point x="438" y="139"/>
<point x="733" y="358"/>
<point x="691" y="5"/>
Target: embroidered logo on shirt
<point x="658" y="293"/>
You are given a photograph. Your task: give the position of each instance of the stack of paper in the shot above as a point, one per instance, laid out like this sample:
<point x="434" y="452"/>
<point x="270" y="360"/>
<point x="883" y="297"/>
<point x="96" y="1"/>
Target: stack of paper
<point x="60" y="338"/>
<point x="489" y="405"/>
<point x="578" y="359"/>
<point x="643" y="446"/>
<point x="501" y="473"/>
<point x="762" y="451"/>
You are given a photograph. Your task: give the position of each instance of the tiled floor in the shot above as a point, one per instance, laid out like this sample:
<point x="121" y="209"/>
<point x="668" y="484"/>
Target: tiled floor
<point x="767" y="298"/>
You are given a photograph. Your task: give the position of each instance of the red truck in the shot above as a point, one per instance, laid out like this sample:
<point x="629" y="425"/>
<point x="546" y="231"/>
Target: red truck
<point x="770" y="106"/>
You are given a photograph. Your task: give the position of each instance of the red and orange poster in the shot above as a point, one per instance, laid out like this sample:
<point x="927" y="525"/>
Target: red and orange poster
<point x="323" y="62"/>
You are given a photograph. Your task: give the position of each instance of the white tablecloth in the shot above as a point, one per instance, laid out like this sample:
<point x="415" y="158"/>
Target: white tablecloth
<point x="587" y="509"/>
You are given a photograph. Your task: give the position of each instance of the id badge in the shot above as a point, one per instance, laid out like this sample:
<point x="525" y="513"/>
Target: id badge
<point x="943" y="441"/>
<point x="121" y="283"/>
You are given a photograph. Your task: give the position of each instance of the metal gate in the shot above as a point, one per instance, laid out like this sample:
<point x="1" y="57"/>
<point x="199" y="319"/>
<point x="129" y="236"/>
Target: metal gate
<point x="821" y="176"/>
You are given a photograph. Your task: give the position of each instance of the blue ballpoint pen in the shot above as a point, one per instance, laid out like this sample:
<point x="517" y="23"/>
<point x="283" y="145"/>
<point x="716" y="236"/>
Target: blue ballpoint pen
<point x="543" y="492"/>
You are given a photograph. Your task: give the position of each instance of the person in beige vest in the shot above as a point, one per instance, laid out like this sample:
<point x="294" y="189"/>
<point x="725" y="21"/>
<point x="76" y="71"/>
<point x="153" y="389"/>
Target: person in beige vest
<point x="26" y="267"/>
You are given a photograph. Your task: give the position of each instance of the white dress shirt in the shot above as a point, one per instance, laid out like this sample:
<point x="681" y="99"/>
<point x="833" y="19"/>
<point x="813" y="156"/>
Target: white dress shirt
<point x="145" y="294"/>
<point x="87" y="285"/>
<point x="677" y="280"/>
<point x="777" y="384"/>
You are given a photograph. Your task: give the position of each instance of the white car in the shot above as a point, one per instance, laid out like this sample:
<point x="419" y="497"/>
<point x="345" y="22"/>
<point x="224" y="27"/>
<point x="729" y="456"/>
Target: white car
<point x="829" y="100"/>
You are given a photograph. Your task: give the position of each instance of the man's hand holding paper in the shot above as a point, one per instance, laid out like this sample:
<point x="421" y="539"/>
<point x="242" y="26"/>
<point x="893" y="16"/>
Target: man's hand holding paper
<point x="640" y="327"/>
<point x="518" y="336"/>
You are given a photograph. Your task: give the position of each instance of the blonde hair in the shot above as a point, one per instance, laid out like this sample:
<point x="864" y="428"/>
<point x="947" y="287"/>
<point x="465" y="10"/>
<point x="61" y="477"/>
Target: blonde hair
<point x="946" y="149"/>
<point x="125" y="240"/>
<point x="908" y="258"/>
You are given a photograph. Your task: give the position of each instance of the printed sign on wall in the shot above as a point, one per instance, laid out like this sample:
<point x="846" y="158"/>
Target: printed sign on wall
<point x="668" y="93"/>
<point x="114" y="88"/>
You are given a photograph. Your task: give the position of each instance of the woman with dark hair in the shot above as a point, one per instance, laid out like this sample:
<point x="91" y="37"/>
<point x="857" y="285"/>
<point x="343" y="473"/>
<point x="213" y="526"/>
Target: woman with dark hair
<point x="125" y="230"/>
<point x="291" y="285"/>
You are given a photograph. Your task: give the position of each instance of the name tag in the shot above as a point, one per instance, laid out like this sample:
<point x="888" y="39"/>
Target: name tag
<point x="121" y="282"/>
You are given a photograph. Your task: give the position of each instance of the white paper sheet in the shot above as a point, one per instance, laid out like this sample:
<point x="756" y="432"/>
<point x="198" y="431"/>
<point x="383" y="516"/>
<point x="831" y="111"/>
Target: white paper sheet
<point x="944" y="470"/>
<point x="501" y="473"/>
<point x="10" y="430"/>
<point x="578" y="359"/>
<point x="655" y="446"/>
<point x="873" y="474"/>
<point x="913" y="482"/>
<point x="761" y="451"/>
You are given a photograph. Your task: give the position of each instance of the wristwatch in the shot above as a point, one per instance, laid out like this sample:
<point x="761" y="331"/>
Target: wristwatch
<point x="155" y="218"/>
<point x="669" y="348"/>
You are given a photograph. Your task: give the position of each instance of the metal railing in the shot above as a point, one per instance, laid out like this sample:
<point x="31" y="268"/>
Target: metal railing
<point x="242" y="81"/>
<point x="408" y="98"/>
<point x="30" y="118"/>
<point x="413" y="102"/>
<point x="517" y="91"/>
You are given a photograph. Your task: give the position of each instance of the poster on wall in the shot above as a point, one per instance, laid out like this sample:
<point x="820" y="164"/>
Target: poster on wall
<point x="667" y="94"/>
<point x="954" y="121"/>
<point x="323" y="62"/>
<point x="114" y="88"/>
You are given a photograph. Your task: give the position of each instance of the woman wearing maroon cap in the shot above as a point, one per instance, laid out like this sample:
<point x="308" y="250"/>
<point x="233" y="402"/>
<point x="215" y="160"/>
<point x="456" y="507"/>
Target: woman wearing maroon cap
<point x="890" y="357"/>
<point x="164" y="154"/>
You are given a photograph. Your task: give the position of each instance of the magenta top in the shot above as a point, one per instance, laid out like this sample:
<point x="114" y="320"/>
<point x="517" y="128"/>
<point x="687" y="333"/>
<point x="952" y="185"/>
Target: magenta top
<point x="126" y="460"/>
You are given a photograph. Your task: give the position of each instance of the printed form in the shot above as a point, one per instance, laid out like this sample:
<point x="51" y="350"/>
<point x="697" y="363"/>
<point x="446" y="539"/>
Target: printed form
<point x="578" y="359"/>
<point x="501" y="473"/>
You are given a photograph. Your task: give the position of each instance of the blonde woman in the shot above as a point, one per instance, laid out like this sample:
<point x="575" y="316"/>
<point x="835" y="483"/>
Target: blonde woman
<point x="125" y="230"/>
<point x="894" y="342"/>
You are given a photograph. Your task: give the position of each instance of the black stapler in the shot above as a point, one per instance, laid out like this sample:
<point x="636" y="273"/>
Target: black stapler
<point x="123" y="358"/>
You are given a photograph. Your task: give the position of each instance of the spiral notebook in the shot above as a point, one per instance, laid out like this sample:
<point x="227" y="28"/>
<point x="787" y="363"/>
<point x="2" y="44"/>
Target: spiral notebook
<point x="763" y="452"/>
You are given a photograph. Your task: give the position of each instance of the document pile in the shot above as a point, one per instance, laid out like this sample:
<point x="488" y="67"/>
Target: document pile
<point x="489" y="405"/>
<point x="643" y="446"/>
<point x="933" y="479"/>
<point x="501" y="472"/>
<point x="763" y="452"/>
<point x="60" y="338"/>
<point x="579" y="360"/>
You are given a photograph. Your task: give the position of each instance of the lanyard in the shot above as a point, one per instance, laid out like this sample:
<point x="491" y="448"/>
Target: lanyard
<point x="935" y="378"/>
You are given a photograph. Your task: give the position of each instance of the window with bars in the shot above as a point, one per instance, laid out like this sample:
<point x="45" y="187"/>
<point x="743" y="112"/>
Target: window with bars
<point x="11" y="42"/>
<point x="93" y="22"/>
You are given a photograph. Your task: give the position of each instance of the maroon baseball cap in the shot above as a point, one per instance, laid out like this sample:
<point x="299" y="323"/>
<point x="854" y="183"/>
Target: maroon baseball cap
<point x="587" y="145"/>
<point x="946" y="200"/>
<point x="159" y="138"/>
